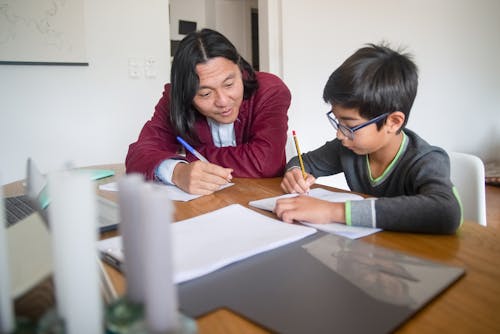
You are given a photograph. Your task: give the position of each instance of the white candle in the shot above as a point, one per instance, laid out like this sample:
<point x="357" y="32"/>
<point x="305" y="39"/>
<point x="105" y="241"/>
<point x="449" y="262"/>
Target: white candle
<point x="129" y="195"/>
<point x="73" y="223"/>
<point x="6" y="308"/>
<point x="160" y="290"/>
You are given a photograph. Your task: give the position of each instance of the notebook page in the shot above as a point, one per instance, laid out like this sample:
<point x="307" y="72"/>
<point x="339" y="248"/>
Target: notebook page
<point x="216" y="239"/>
<point x="351" y="232"/>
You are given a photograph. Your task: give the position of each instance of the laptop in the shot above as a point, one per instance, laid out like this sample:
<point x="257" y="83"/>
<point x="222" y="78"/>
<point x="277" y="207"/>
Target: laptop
<point x="37" y="199"/>
<point x="28" y="239"/>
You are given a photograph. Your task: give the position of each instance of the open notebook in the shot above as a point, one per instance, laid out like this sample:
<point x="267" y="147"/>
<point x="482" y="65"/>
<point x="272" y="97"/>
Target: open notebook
<point x="216" y="239"/>
<point x="351" y="232"/>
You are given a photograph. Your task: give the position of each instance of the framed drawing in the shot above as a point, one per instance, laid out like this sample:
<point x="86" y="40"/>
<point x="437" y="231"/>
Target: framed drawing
<point x="42" y="32"/>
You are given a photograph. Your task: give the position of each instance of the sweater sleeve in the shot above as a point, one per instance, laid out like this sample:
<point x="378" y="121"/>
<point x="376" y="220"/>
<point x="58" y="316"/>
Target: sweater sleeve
<point x="430" y="203"/>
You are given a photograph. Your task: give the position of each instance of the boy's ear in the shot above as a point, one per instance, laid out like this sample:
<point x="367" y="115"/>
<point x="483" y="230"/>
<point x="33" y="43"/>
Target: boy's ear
<point x="395" y="121"/>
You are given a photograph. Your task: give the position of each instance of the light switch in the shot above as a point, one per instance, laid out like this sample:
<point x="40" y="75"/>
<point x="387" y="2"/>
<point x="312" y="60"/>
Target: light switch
<point x="150" y="68"/>
<point x="134" y="68"/>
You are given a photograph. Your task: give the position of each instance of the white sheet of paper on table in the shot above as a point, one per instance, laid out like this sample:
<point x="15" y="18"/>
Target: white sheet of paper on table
<point x="208" y="242"/>
<point x="351" y="232"/>
<point x="174" y="193"/>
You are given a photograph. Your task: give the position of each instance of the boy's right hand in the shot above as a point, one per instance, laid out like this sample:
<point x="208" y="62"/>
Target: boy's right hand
<point x="294" y="183"/>
<point x="200" y="178"/>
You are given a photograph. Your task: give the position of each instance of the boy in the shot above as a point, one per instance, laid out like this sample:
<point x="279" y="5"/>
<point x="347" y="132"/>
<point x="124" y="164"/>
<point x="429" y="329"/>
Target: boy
<point x="371" y="95"/>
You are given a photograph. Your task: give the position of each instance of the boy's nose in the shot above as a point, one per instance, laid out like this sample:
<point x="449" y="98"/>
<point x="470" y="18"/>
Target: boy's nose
<point x="340" y="135"/>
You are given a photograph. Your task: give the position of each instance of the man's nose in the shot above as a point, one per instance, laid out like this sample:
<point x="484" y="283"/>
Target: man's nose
<point x="221" y="99"/>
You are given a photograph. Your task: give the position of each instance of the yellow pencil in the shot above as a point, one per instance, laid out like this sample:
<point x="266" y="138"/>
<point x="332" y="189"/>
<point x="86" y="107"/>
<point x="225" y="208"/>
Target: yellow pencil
<point x="299" y="154"/>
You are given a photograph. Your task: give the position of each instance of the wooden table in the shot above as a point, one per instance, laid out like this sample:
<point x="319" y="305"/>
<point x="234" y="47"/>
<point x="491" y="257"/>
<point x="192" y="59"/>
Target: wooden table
<point x="471" y="305"/>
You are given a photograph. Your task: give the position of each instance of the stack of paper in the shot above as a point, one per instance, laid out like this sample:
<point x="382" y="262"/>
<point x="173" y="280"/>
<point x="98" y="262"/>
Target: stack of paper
<point x="211" y="241"/>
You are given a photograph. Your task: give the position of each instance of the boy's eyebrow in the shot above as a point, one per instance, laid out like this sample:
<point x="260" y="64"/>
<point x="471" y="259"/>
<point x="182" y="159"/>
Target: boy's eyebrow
<point x="345" y="118"/>
<point x="348" y="118"/>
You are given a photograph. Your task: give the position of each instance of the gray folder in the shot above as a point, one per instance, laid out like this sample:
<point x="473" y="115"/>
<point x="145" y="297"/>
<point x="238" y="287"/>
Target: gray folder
<point x="322" y="284"/>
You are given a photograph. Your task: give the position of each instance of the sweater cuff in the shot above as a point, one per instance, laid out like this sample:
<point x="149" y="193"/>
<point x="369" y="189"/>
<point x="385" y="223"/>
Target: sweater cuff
<point x="292" y="167"/>
<point x="347" y="209"/>
<point x="165" y="170"/>
<point x="362" y="213"/>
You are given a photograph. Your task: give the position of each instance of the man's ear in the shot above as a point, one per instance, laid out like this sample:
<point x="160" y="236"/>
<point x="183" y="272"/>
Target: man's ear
<point x="395" y="121"/>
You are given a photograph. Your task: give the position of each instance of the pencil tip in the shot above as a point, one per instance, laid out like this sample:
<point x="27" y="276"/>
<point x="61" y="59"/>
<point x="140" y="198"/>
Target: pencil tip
<point x="293" y="132"/>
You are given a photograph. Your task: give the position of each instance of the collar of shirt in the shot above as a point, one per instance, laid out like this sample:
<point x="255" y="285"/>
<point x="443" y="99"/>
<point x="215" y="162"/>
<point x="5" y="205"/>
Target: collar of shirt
<point x="222" y="134"/>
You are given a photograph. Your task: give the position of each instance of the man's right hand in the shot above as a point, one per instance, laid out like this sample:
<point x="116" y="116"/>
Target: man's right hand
<point x="200" y="178"/>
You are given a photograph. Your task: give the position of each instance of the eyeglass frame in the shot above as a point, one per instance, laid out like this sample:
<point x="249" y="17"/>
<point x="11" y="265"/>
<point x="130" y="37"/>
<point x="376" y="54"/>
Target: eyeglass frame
<point x="347" y="131"/>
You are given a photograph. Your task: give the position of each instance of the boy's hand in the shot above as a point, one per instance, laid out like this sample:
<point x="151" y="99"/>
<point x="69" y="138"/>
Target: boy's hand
<point x="200" y="178"/>
<point x="293" y="182"/>
<point x="309" y="209"/>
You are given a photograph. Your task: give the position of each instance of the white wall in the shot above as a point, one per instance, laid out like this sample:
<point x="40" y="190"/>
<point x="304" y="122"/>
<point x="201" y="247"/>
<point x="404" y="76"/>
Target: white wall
<point x="230" y="17"/>
<point x="91" y="114"/>
<point x="456" y="46"/>
<point x="88" y="115"/>
<point x="190" y="10"/>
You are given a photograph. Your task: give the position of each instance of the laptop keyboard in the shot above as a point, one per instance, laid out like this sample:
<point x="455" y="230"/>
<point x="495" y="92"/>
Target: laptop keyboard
<point x="17" y="208"/>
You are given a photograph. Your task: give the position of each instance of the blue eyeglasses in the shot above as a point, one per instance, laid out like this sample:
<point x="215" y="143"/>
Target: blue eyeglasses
<point x="347" y="131"/>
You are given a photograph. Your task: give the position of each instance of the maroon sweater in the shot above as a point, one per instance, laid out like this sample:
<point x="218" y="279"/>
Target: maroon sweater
<point x="260" y="129"/>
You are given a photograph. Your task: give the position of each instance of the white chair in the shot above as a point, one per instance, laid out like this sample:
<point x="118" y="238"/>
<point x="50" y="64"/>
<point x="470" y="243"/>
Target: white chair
<point x="467" y="174"/>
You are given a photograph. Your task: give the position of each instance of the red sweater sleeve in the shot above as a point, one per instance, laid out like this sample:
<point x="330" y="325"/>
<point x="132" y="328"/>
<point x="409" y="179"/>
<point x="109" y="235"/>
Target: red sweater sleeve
<point x="260" y="129"/>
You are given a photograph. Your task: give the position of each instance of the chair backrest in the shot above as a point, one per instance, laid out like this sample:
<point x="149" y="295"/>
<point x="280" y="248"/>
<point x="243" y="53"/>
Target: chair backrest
<point x="467" y="174"/>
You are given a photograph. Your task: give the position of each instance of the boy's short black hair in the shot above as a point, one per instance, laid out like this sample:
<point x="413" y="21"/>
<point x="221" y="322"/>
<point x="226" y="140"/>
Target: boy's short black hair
<point x="375" y="80"/>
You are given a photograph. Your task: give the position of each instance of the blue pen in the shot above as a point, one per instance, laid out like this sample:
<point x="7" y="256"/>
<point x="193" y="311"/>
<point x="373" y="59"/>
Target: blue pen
<point x="191" y="149"/>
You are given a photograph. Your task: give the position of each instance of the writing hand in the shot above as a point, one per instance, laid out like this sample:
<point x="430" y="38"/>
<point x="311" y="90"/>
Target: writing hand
<point x="293" y="182"/>
<point x="200" y="178"/>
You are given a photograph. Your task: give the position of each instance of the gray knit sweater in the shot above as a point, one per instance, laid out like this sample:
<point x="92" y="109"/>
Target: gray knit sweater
<point x="414" y="194"/>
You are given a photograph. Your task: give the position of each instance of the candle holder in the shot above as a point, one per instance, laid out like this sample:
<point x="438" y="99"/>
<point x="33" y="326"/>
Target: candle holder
<point x="126" y="317"/>
<point x="50" y="323"/>
<point x="24" y="326"/>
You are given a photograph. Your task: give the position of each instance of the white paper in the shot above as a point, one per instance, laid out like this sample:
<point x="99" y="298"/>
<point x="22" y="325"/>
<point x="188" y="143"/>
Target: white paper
<point x="327" y="195"/>
<point x="211" y="241"/>
<point x="351" y="232"/>
<point x="174" y="193"/>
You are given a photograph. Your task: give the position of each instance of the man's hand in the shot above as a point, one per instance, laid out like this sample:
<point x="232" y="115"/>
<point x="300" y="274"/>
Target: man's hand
<point x="200" y="178"/>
